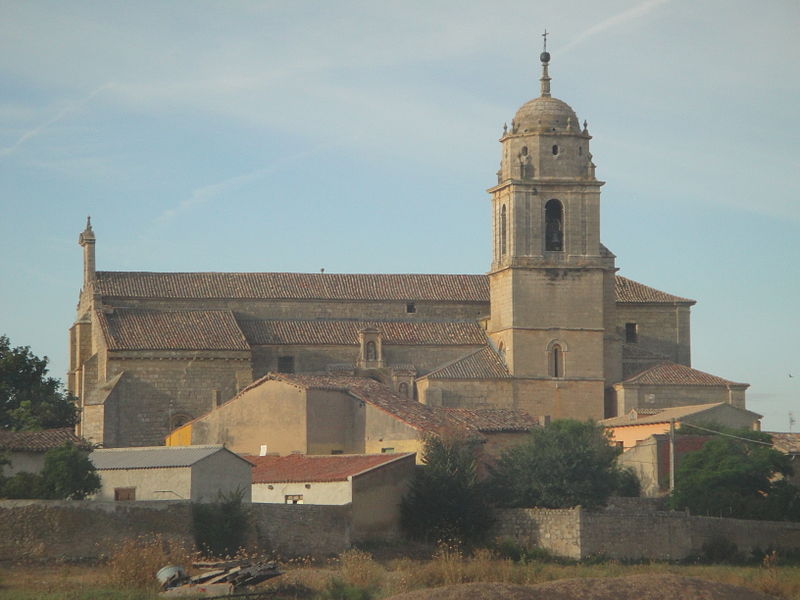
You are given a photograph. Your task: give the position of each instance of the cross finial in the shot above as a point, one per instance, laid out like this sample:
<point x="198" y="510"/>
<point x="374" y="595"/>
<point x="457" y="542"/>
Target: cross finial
<point x="544" y="35"/>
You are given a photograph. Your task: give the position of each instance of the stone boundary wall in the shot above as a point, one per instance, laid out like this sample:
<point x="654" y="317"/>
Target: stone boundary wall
<point x="80" y="530"/>
<point x="630" y="534"/>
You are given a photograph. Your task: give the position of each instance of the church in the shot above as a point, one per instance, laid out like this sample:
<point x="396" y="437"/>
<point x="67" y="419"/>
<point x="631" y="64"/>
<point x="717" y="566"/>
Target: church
<point x="551" y="330"/>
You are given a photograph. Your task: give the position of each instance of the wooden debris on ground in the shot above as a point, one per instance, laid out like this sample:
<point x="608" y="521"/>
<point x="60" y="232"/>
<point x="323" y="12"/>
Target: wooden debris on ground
<point x="222" y="578"/>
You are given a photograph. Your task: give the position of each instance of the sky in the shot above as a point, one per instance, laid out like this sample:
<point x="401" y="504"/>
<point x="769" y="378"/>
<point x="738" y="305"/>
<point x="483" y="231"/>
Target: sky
<point x="361" y="136"/>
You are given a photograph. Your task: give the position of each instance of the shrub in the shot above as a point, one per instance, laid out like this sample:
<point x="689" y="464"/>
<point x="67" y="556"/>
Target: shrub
<point x="445" y="500"/>
<point x="220" y="527"/>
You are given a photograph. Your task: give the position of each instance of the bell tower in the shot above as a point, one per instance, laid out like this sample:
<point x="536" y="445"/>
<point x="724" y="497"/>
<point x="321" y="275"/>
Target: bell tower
<point x="551" y="281"/>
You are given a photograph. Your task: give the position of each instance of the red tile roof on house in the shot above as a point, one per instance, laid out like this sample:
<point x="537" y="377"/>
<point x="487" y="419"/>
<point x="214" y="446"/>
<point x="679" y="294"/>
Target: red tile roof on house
<point x="330" y="286"/>
<point x="129" y="329"/>
<point x="668" y="373"/>
<point x="344" y="332"/>
<point x="294" y="286"/>
<point x="484" y="363"/>
<point x="491" y="420"/>
<point x="630" y="291"/>
<point x="39" y="441"/>
<point x="299" y="468"/>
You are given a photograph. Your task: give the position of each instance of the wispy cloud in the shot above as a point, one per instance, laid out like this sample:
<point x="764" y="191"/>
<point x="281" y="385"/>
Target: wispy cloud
<point x="60" y="115"/>
<point x="626" y="16"/>
<point x="211" y="192"/>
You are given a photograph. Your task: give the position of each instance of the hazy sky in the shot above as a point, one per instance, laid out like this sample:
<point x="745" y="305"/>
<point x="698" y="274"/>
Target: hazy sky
<point x="361" y="137"/>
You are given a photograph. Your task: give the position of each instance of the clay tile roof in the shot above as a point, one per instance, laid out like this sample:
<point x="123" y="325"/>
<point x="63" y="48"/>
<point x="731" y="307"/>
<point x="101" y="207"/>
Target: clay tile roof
<point x="413" y="413"/>
<point x="786" y="442"/>
<point x="344" y="332"/>
<point x="303" y="467"/>
<point x="129" y="329"/>
<point x="483" y="363"/>
<point x="668" y="373"/>
<point x="331" y="286"/>
<point x="488" y="420"/>
<point x="39" y="441"/>
<point x="628" y="290"/>
<point x="284" y="286"/>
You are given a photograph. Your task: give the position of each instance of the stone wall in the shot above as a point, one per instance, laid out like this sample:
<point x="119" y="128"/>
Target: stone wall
<point x="63" y="530"/>
<point x="637" y="530"/>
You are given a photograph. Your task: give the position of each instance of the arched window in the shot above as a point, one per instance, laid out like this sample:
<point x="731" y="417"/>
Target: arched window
<point x="403" y="389"/>
<point x="178" y="420"/>
<point x="556" y="361"/>
<point x="554" y="226"/>
<point x="371" y="354"/>
<point x="503" y="231"/>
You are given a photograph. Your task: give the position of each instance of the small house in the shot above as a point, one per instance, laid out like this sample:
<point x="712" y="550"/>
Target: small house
<point x="373" y="483"/>
<point x="25" y="450"/>
<point x="196" y="473"/>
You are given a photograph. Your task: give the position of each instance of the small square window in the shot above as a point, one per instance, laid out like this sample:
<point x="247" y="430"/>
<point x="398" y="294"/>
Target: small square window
<point x="294" y="499"/>
<point x="337" y="452"/>
<point x="125" y="494"/>
<point x="387" y="450"/>
<point x="631" y="333"/>
<point x="411" y="307"/>
<point x="286" y="364"/>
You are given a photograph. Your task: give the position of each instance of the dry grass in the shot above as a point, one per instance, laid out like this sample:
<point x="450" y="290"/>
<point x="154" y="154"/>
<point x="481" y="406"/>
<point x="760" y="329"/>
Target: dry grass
<point x="304" y="579"/>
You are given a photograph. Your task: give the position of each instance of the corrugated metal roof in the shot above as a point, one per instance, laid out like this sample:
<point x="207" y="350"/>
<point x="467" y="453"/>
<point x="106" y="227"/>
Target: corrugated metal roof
<point x="152" y="457"/>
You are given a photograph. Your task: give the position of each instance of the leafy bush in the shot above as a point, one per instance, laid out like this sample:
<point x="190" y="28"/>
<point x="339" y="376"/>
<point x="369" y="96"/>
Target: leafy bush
<point x="565" y="464"/>
<point x="68" y="474"/>
<point x="445" y="500"/>
<point x="741" y="477"/>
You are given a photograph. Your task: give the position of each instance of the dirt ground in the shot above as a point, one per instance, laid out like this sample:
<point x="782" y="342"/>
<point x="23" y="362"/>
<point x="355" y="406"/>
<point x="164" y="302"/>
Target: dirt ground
<point x="635" y="587"/>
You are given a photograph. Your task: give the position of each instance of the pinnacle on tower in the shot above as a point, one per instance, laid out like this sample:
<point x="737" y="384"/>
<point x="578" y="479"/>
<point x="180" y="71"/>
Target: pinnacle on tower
<point x="545" y="58"/>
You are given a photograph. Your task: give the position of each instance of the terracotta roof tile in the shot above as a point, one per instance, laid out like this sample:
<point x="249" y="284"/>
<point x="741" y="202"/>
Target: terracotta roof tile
<point x="668" y="373"/>
<point x="488" y="420"/>
<point x="129" y="329"/>
<point x="345" y="332"/>
<point x="786" y="442"/>
<point x="39" y="441"/>
<point x="329" y="286"/>
<point x="316" y="468"/>
<point x="285" y="286"/>
<point x="631" y="291"/>
<point x="483" y="363"/>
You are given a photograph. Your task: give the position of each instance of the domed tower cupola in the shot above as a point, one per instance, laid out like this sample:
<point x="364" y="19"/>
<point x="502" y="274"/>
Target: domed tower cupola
<point x="545" y="139"/>
<point x="546" y="204"/>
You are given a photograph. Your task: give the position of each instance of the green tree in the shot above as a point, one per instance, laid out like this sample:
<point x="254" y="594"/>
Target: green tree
<point x="445" y="500"/>
<point x="68" y="474"/>
<point x="568" y="463"/>
<point x="29" y="399"/>
<point x="740" y="477"/>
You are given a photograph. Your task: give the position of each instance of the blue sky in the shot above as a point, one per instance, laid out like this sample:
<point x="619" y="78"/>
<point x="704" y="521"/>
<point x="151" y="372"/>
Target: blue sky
<point x="361" y="137"/>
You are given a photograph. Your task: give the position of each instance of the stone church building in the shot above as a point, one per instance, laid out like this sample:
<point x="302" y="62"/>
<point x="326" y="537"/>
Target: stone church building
<point x="552" y="329"/>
